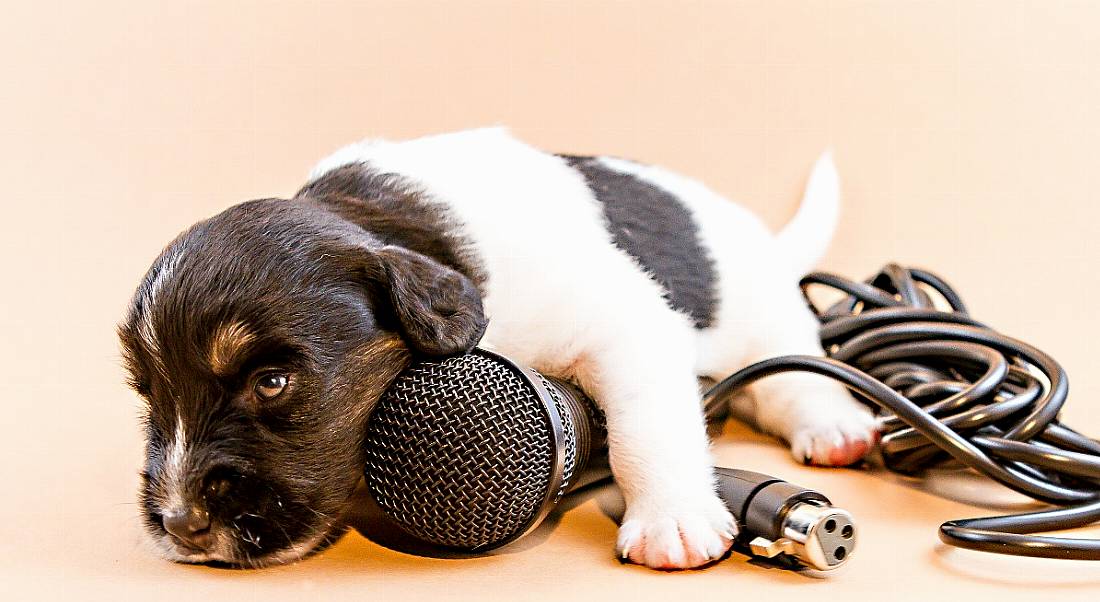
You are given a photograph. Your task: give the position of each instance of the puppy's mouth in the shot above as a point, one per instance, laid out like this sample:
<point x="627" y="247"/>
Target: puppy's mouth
<point x="241" y="548"/>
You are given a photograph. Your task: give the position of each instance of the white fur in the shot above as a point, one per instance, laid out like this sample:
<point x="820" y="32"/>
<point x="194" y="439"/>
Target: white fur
<point x="762" y="313"/>
<point x="562" y="298"/>
<point x="145" y="328"/>
<point x="174" y="469"/>
<point x="806" y="237"/>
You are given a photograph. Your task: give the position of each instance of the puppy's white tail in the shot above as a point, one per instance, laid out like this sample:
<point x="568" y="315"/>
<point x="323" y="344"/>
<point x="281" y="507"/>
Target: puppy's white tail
<point x="806" y="237"/>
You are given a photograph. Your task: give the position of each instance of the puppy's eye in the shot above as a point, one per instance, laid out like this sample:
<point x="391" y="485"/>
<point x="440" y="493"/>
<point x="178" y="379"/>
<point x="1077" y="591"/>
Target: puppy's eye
<point x="271" y="385"/>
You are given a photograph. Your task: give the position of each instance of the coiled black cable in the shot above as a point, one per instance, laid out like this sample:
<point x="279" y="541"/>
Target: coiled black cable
<point x="949" y="389"/>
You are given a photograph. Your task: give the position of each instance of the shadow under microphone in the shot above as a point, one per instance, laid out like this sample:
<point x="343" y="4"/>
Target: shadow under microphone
<point x="471" y="452"/>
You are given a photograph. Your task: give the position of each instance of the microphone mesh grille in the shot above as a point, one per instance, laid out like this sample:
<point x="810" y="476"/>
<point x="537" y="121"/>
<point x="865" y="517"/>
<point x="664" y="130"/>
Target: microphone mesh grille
<point x="460" y="451"/>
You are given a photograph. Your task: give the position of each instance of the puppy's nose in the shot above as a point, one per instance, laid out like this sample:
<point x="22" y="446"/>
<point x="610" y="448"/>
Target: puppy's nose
<point x="190" y="525"/>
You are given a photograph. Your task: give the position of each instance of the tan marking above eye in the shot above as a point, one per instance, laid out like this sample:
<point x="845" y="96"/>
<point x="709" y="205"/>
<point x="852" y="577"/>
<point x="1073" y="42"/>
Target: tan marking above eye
<point x="227" y="344"/>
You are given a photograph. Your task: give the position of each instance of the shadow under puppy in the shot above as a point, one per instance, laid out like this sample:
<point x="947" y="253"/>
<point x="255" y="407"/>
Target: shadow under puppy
<point x="262" y="337"/>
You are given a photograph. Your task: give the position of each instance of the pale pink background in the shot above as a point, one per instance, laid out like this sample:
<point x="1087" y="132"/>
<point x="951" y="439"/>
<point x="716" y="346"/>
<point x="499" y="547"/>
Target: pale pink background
<point x="965" y="133"/>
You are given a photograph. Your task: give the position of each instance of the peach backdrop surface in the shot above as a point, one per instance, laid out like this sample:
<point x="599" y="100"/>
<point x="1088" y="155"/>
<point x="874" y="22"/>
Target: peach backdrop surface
<point x="965" y="133"/>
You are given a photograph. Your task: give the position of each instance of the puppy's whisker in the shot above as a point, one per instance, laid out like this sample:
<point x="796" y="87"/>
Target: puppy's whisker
<point x="290" y="542"/>
<point x="319" y="513"/>
<point x="250" y="538"/>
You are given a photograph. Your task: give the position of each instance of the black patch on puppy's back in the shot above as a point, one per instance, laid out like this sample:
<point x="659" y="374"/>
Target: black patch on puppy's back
<point x="654" y="228"/>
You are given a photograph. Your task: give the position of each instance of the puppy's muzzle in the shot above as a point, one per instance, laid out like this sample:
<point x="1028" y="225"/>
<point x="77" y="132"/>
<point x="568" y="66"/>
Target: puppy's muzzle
<point x="189" y="521"/>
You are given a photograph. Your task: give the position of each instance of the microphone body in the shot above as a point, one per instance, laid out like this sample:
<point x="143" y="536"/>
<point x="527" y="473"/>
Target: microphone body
<point x="473" y="451"/>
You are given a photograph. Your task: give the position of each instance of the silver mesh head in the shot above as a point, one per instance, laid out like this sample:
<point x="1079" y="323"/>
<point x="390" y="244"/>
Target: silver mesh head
<point x="467" y="452"/>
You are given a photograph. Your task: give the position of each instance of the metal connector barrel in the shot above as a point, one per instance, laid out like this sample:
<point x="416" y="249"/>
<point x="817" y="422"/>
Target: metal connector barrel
<point x="777" y="517"/>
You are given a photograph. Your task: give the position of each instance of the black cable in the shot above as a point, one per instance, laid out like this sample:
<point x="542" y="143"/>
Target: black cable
<point x="949" y="389"/>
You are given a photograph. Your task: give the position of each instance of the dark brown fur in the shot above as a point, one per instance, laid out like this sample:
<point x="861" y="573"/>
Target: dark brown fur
<point x="335" y="304"/>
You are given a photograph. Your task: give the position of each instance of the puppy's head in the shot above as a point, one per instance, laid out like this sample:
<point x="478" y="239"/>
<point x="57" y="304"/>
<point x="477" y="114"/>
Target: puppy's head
<point x="260" y="340"/>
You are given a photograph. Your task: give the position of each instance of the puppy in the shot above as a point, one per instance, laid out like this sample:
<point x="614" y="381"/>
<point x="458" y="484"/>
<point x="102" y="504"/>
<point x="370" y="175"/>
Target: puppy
<point x="262" y="337"/>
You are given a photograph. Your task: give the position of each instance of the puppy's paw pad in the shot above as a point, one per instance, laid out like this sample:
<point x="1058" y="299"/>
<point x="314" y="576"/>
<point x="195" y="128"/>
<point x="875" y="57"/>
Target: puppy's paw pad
<point x="673" y="540"/>
<point x="841" y="439"/>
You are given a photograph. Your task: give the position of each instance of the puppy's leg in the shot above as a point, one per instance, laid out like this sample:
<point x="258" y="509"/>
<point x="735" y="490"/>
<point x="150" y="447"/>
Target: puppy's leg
<point x="821" y="421"/>
<point x="658" y="445"/>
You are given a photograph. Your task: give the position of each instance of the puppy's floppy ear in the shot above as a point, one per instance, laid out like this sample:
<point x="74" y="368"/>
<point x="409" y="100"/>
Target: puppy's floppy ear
<point x="439" y="310"/>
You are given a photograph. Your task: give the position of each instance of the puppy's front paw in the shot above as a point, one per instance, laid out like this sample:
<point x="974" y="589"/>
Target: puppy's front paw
<point x="840" y="437"/>
<point x="672" y="538"/>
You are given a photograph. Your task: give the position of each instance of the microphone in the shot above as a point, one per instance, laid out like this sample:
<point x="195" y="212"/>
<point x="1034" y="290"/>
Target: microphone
<point x="473" y="451"/>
